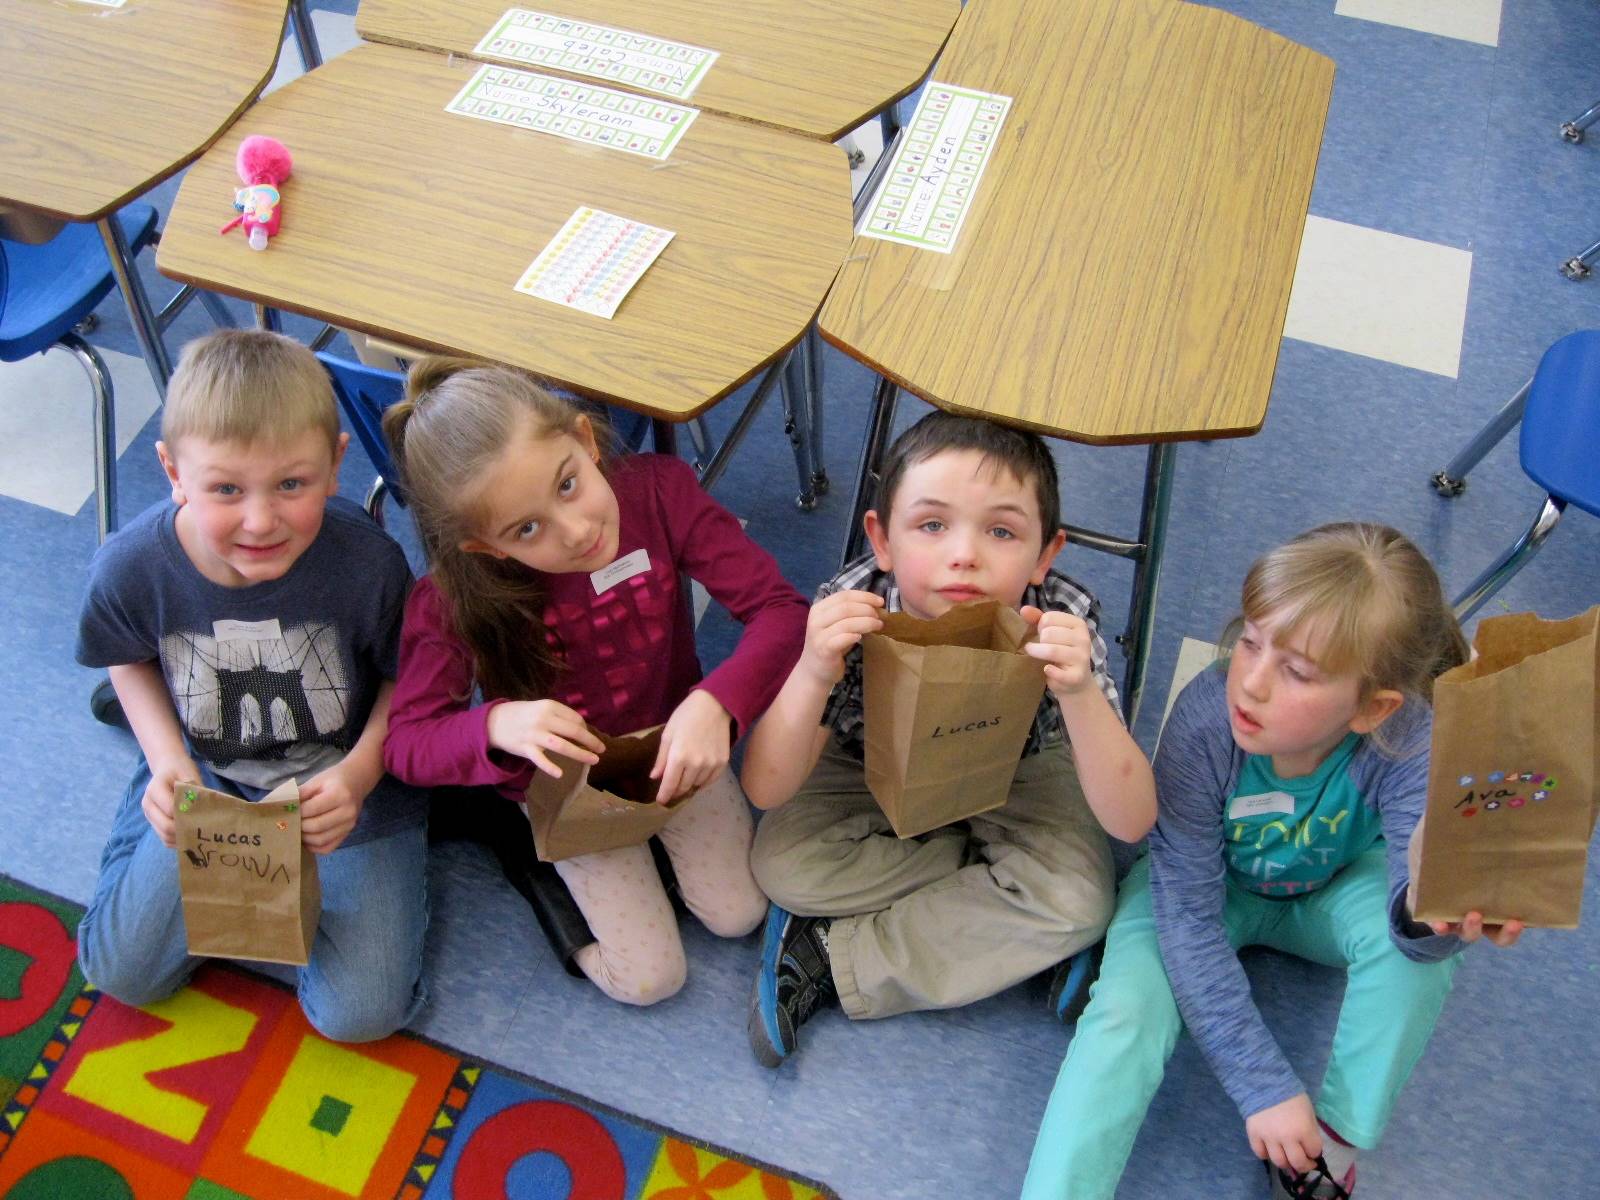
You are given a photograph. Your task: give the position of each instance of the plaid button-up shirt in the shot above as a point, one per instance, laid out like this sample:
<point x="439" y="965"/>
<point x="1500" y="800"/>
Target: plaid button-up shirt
<point x="843" y="712"/>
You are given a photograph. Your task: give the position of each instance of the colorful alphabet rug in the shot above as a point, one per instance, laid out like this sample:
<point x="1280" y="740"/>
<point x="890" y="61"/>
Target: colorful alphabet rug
<point x="223" y="1092"/>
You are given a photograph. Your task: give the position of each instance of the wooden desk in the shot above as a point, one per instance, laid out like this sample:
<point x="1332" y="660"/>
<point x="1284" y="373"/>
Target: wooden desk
<point x="98" y="105"/>
<point x="1125" y="271"/>
<point x="820" y="68"/>
<point x="414" y="224"/>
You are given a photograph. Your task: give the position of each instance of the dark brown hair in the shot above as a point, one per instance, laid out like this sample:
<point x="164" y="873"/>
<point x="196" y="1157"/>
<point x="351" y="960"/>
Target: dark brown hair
<point x="1022" y="454"/>
<point x="458" y="417"/>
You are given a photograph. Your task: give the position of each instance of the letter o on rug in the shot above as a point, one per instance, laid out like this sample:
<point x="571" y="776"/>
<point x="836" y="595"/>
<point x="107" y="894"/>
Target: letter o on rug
<point x="582" y="1144"/>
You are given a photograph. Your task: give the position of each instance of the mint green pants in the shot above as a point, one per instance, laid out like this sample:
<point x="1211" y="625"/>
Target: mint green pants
<point x="1124" y="1038"/>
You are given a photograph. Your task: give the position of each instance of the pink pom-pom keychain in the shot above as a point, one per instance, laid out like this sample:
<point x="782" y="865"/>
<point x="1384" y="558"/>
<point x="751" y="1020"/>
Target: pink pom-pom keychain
<point x="263" y="164"/>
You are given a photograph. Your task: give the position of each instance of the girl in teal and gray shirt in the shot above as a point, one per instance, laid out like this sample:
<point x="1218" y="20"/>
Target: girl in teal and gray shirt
<point x="1289" y="781"/>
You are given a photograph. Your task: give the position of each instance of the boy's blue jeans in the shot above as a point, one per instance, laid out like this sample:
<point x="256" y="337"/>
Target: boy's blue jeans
<point x="364" y="980"/>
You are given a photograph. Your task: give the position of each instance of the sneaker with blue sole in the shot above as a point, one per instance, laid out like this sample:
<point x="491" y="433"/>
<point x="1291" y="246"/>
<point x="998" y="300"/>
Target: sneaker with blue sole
<point x="793" y="981"/>
<point x="1069" y="986"/>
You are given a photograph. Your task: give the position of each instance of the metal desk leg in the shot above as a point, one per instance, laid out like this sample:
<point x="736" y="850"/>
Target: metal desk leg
<point x="268" y="318"/>
<point x="1452" y="481"/>
<point x="146" y="326"/>
<point x="305" y="35"/>
<point x="796" y="422"/>
<point x="813" y="352"/>
<point x="1147" y="574"/>
<point x="880" y="424"/>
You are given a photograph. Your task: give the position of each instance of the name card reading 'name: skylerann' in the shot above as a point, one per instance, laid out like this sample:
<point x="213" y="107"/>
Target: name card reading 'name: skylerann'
<point x="576" y="111"/>
<point x="635" y="60"/>
<point x="929" y="187"/>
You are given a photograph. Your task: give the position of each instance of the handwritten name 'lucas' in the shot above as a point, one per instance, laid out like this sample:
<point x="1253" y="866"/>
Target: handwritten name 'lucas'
<point x="970" y="727"/>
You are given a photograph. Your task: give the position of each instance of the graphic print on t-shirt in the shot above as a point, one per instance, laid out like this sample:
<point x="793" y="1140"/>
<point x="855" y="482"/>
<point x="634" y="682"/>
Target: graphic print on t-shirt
<point x="253" y="697"/>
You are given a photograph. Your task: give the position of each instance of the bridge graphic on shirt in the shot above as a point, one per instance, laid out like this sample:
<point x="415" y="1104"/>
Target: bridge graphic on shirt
<point x="244" y="698"/>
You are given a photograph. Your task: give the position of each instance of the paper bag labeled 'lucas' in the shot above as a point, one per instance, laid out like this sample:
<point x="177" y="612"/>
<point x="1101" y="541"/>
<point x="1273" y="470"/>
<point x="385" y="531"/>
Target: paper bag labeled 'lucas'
<point x="601" y="807"/>
<point x="249" y="885"/>
<point x="948" y="705"/>
<point x="1512" y="783"/>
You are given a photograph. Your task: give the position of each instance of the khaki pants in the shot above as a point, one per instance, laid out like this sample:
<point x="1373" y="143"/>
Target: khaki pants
<point x="954" y="915"/>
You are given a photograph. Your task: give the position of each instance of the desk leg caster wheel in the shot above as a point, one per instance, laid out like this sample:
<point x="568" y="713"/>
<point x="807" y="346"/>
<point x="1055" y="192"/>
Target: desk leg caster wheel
<point x="1575" y="268"/>
<point x="105" y="707"/>
<point x="820" y="484"/>
<point x="1571" y="132"/>
<point x="1446" y="486"/>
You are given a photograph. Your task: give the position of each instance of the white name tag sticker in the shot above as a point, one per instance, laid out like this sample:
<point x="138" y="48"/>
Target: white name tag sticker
<point x="625" y="567"/>
<point x="1260" y="805"/>
<point x="247" y="631"/>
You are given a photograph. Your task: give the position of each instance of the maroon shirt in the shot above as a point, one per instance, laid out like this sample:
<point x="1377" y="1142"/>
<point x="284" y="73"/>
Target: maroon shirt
<point x="629" y="653"/>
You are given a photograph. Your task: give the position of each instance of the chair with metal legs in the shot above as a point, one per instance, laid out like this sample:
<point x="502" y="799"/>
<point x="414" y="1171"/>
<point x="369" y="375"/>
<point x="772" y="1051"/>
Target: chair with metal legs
<point x="1581" y="264"/>
<point x="1560" y="436"/>
<point x="46" y="290"/>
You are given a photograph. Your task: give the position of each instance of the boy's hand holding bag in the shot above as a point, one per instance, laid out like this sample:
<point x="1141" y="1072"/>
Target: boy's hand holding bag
<point x="250" y="886"/>
<point x="601" y="807"/>
<point x="948" y="705"/>
<point x="1512" y="785"/>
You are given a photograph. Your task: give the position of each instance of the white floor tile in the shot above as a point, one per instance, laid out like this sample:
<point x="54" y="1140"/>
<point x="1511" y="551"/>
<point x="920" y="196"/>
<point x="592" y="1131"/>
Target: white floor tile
<point x="1469" y="20"/>
<point x="1381" y="295"/>
<point x="336" y="33"/>
<point x="1194" y="656"/>
<point x="47" y="425"/>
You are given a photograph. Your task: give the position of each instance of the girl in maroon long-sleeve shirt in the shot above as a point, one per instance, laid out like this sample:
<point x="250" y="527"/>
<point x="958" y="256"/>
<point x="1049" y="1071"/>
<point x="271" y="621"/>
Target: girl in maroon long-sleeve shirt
<point x="555" y="595"/>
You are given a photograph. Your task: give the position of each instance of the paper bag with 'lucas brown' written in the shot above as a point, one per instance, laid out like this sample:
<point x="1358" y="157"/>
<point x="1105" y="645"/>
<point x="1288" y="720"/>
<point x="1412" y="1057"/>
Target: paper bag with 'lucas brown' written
<point x="1512" y="781"/>
<point x="249" y="885"/>
<point x="602" y="807"/>
<point x="948" y="705"/>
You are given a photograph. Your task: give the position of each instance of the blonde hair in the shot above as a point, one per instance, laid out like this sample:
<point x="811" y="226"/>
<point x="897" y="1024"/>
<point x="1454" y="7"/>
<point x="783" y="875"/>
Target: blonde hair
<point x="457" y="419"/>
<point x="1371" y="595"/>
<point x="249" y="386"/>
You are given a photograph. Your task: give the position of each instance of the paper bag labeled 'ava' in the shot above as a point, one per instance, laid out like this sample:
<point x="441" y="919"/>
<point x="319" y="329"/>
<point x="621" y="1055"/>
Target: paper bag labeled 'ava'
<point x="249" y="885"/>
<point x="603" y="807"/>
<point x="1512" y="783"/>
<point x="948" y="706"/>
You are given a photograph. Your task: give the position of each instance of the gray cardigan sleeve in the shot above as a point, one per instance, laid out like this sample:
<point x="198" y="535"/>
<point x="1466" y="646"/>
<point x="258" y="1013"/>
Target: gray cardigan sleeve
<point x="1196" y="769"/>
<point x="1394" y="779"/>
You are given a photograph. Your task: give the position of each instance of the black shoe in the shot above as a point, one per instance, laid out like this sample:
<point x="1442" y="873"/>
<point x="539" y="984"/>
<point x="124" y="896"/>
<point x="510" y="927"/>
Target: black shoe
<point x="1316" y="1184"/>
<point x="794" y="980"/>
<point x="1069" y="986"/>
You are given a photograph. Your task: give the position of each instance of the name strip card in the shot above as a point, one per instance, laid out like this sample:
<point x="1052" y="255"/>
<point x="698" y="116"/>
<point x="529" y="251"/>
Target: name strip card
<point x="635" y="60"/>
<point x="576" y="111"/>
<point x="928" y="189"/>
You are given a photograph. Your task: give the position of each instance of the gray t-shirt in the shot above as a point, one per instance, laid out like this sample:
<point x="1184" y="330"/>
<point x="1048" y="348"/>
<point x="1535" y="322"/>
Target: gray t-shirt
<point x="271" y="681"/>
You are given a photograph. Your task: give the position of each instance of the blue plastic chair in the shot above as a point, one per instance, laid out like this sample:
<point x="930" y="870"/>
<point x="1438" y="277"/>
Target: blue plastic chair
<point x="1558" y="445"/>
<point x="364" y="393"/>
<point x="45" y="291"/>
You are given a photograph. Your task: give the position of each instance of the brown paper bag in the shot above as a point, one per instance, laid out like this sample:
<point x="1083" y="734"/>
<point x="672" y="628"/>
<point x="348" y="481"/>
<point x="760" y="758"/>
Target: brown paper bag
<point x="250" y="887"/>
<point x="603" y="807"/>
<point x="1512" y="784"/>
<point x="948" y="705"/>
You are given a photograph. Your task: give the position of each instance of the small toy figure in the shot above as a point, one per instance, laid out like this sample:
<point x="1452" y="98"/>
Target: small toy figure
<point x="263" y="164"/>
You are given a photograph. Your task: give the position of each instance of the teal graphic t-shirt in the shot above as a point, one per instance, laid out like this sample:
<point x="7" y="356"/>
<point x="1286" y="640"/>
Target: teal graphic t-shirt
<point x="1285" y="837"/>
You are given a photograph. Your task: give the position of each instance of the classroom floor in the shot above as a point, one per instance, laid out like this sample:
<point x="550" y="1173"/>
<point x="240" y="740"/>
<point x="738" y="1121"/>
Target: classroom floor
<point x="1428" y="289"/>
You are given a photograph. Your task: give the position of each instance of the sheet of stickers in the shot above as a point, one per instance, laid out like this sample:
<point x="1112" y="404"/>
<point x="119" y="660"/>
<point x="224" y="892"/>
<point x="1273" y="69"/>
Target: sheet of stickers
<point x="594" y="261"/>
